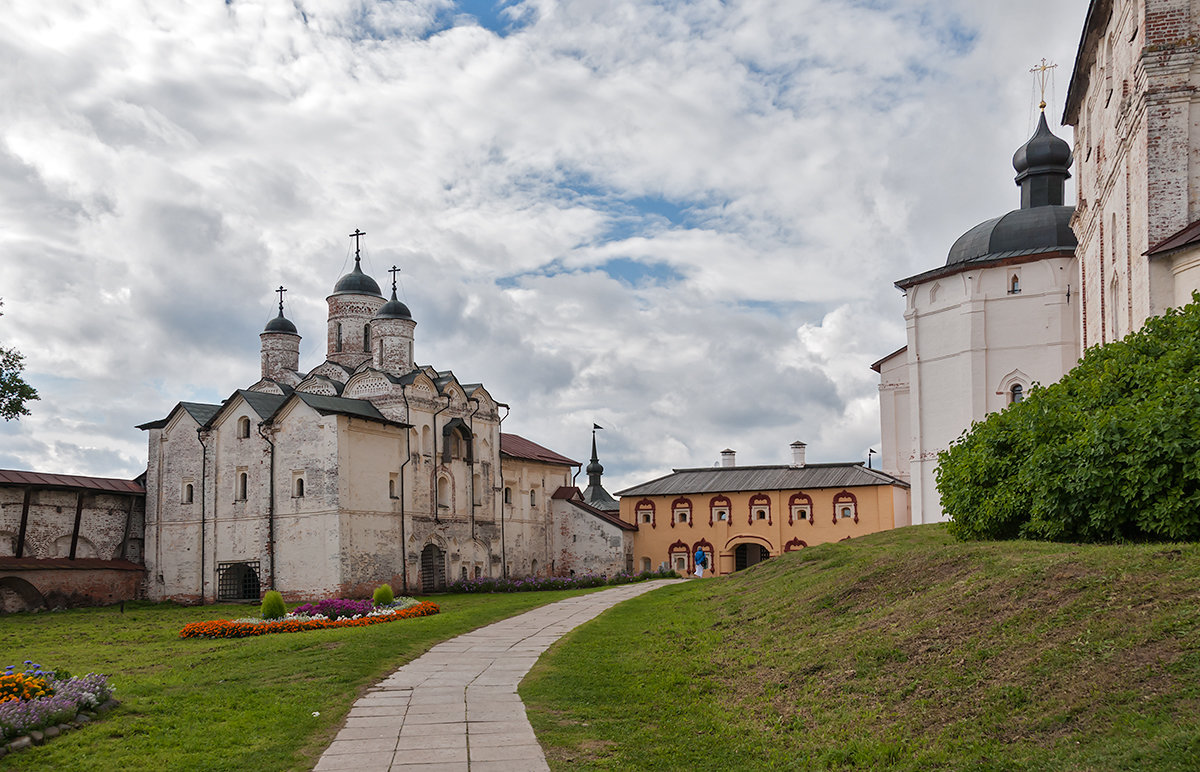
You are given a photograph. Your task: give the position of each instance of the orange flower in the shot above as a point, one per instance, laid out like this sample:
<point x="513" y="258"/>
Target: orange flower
<point x="222" y="628"/>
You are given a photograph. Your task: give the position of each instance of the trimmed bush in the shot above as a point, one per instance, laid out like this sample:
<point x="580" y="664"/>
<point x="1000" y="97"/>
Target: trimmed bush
<point x="384" y="595"/>
<point x="272" y="605"/>
<point x="1109" y="453"/>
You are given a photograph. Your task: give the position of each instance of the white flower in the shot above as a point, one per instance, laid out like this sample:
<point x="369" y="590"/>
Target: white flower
<point x="316" y="713"/>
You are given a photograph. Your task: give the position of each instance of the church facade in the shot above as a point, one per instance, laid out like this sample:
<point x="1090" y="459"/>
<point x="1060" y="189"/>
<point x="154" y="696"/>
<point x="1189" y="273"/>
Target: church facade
<point x="369" y="468"/>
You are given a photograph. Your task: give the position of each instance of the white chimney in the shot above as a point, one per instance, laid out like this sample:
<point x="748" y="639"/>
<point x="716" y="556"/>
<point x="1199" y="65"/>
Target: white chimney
<point x="728" y="457"/>
<point x="798" y="453"/>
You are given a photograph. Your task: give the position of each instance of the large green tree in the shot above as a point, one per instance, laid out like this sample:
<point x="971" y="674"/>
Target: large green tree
<point x="1109" y="453"/>
<point x="14" y="391"/>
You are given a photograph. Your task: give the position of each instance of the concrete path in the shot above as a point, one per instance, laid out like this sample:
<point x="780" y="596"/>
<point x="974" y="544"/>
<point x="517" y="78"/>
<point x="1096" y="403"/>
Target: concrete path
<point x="456" y="707"/>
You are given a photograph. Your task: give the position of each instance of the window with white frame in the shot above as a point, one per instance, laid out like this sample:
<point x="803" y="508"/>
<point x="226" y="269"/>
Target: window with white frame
<point x="802" y="512"/>
<point x="846" y="510"/>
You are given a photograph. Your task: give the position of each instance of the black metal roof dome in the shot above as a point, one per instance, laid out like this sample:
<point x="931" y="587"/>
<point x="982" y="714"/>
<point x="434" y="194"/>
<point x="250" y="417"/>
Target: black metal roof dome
<point x="357" y="283"/>
<point x="393" y="309"/>
<point x="1043" y="223"/>
<point x="281" y="324"/>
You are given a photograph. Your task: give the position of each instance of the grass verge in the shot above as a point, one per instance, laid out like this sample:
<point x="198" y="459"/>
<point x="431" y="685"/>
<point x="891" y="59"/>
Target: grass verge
<point x="904" y="650"/>
<point x="237" y="704"/>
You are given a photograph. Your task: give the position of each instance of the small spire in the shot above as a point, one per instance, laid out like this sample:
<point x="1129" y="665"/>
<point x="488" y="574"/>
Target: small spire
<point x="1042" y="73"/>
<point x="356" y="235"/>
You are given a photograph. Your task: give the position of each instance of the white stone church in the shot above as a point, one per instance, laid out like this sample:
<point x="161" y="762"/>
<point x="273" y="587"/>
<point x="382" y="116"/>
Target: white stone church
<point x="369" y="468"/>
<point x="1021" y="296"/>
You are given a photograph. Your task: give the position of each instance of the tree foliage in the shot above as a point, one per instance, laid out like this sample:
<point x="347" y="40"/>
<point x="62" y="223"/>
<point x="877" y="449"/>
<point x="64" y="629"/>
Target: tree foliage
<point x="14" y="391"/>
<point x="1109" y="453"/>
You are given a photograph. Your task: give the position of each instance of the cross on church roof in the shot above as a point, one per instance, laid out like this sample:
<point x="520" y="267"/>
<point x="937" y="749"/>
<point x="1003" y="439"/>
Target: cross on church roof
<point x="357" y="233"/>
<point x="281" y="290"/>
<point x="393" y="271"/>
<point x="1042" y="72"/>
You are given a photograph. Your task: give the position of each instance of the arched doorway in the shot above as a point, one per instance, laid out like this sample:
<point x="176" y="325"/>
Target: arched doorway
<point x="746" y="555"/>
<point x="433" y="569"/>
<point x="19" y="595"/>
<point x="238" y="581"/>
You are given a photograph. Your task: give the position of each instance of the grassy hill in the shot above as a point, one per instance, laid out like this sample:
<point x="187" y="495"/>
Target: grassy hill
<point x="903" y="650"/>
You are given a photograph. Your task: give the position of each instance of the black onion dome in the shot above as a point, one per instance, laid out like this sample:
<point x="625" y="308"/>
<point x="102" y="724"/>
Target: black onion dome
<point x="393" y="309"/>
<point x="1020" y="232"/>
<point x="281" y="324"/>
<point x="1044" y="152"/>
<point x="357" y="283"/>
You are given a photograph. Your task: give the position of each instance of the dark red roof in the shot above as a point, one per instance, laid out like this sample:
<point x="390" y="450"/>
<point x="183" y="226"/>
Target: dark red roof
<point x="1184" y="237"/>
<point x="79" y="564"/>
<point x="46" y="480"/>
<point x="518" y="447"/>
<point x="572" y="495"/>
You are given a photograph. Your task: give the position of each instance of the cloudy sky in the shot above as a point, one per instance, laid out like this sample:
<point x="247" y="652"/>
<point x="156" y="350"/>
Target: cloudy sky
<point x="680" y="220"/>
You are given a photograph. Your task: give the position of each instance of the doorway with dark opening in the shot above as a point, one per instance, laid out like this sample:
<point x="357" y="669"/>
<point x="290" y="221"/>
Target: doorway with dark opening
<point x="746" y="555"/>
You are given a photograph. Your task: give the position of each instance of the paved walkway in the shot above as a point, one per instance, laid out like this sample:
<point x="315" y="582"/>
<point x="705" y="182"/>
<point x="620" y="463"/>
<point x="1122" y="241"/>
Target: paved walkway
<point x="456" y="707"/>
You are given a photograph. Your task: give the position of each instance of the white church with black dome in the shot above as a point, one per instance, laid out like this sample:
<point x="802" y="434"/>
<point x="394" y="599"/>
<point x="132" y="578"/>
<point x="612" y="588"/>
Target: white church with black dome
<point x="998" y="317"/>
<point x="369" y="468"/>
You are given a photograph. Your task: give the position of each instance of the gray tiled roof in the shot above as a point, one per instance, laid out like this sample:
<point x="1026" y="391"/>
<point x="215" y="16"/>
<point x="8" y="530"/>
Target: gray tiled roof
<point x="724" y="479"/>
<point x="262" y="402"/>
<point x="359" y="408"/>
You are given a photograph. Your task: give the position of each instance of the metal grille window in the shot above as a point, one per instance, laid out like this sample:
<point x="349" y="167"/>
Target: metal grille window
<point x="238" y="580"/>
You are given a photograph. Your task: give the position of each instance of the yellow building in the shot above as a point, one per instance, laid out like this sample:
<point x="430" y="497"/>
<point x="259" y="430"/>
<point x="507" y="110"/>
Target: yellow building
<point x="740" y="515"/>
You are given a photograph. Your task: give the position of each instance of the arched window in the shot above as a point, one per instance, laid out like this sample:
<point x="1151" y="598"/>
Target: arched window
<point x="478" y="572"/>
<point x="243" y="427"/>
<point x="187" y="493"/>
<point x="845" y="507"/>
<point x="392" y="488"/>
<point x="298" y="488"/>
<point x="644" y="513"/>
<point x="681" y="509"/>
<point x="240" y="489"/>
<point x="1016" y="394"/>
<point x="366" y="337"/>
<point x="800" y="505"/>
<point x="645" y="564"/>
<point x="718" y="509"/>
<point x="508" y="495"/>
<point x="532" y="497"/>
<point x="1014" y="285"/>
<point x="337" y="345"/>
<point x="443" y="492"/>
<point x="760" y="508"/>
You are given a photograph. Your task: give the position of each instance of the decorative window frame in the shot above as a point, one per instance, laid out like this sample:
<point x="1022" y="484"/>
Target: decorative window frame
<point x="795" y="545"/>
<point x="759" y="501"/>
<point x="800" y="502"/>
<point x="642" y="507"/>
<point x="682" y="506"/>
<point x="844" y="499"/>
<point x="680" y="548"/>
<point x="1004" y="387"/>
<point x="716" y="505"/>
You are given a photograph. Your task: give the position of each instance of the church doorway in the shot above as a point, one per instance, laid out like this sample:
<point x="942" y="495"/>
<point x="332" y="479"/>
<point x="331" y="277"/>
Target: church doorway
<point x="433" y="569"/>
<point x="746" y="555"/>
<point x="238" y="581"/>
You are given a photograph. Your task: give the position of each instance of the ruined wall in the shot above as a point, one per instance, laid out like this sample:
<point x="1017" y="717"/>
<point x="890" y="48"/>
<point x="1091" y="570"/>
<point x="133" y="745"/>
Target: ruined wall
<point x="110" y="527"/>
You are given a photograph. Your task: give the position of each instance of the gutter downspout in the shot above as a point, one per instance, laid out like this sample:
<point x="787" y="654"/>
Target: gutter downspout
<point x="407" y="457"/>
<point x="203" y="490"/>
<point x="500" y="487"/>
<point x="471" y="471"/>
<point x="435" y="455"/>
<point x="270" y="508"/>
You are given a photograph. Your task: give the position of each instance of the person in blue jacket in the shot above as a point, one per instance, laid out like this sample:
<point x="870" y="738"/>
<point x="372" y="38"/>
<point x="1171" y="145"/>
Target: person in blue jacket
<point x="701" y="562"/>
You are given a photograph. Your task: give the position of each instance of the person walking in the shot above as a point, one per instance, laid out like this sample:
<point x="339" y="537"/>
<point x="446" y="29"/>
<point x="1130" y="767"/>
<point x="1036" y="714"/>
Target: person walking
<point x="701" y="562"/>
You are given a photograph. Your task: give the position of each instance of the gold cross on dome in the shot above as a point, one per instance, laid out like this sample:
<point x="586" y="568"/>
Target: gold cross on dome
<point x="1042" y="72"/>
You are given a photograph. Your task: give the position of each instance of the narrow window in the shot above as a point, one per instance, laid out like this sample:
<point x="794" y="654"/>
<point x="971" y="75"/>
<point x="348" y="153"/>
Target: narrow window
<point x="478" y="572"/>
<point x="392" y="488"/>
<point x="1016" y="394"/>
<point x="533" y="498"/>
<point x="240" y="490"/>
<point x="443" y="492"/>
<point x="1014" y="286"/>
<point x="508" y="495"/>
<point x="187" y="493"/>
<point x="243" y="430"/>
<point x="337" y="345"/>
<point x="298" y="488"/>
<point x="366" y="337"/>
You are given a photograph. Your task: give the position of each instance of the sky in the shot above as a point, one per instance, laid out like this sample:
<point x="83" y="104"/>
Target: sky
<point x="681" y="221"/>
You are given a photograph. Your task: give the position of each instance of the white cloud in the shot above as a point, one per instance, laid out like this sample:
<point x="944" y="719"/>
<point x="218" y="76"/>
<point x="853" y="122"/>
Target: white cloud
<point x="778" y="163"/>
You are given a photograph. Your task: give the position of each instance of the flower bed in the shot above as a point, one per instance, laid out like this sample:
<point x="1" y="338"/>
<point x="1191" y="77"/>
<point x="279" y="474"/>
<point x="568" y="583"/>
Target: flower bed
<point x="244" y="628"/>
<point x="538" y="583"/>
<point x="34" y="698"/>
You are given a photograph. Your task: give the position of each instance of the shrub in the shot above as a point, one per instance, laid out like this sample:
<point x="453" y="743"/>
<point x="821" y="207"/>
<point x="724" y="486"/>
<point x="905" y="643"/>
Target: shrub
<point x="384" y="595"/>
<point x="272" y="605"/>
<point x="1109" y="453"/>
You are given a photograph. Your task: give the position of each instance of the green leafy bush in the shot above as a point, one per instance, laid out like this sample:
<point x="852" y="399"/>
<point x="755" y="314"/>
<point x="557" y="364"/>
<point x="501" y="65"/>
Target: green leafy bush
<point x="384" y="595"/>
<point x="1109" y="453"/>
<point x="272" y="605"/>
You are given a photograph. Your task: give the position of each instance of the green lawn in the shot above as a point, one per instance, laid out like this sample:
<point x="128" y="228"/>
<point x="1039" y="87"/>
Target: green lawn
<point x="903" y="650"/>
<point x="244" y="704"/>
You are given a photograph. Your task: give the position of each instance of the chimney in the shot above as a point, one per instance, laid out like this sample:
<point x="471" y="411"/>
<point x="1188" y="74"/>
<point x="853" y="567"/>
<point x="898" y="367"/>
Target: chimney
<point x="728" y="457"/>
<point x="798" y="453"/>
